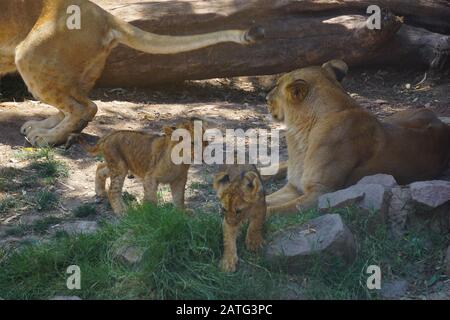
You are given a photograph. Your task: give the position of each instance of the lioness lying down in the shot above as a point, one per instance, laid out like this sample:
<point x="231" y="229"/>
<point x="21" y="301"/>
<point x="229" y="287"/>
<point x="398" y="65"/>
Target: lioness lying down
<point x="61" y="65"/>
<point x="241" y="192"/>
<point x="145" y="155"/>
<point x="333" y="142"/>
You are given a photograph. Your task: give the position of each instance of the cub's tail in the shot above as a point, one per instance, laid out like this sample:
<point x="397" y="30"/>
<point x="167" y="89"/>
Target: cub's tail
<point x="138" y="39"/>
<point x="77" y="138"/>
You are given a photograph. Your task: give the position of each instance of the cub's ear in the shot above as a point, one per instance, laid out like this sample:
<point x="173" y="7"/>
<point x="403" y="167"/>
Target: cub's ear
<point x="251" y="183"/>
<point x="221" y="179"/>
<point x="338" y="69"/>
<point x="298" y="90"/>
<point x="169" y="130"/>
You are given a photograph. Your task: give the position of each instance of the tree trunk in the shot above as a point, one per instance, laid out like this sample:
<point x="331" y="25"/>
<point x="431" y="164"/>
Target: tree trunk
<point x="293" y="40"/>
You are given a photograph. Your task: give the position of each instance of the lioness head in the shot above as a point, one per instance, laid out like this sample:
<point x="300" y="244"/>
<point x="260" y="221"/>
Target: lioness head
<point x="306" y="89"/>
<point x="239" y="194"/>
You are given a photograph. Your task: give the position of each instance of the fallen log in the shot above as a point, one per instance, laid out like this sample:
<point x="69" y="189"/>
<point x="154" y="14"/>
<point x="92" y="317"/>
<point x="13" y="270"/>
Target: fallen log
<point x="292" y="40"/>
<point x="413" y="46"/>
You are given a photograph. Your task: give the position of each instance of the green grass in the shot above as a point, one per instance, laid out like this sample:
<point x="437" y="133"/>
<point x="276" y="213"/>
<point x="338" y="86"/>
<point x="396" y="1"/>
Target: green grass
<point x="182" y="255"/>
<point x="180" y="262"/>
<point x="45" y="200"/>
<point x="85" y="210"/>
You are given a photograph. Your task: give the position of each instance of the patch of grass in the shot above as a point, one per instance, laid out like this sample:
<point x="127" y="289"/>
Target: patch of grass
<point x="7" y="203"/>
<point x="45" y="200"/>
<point x="180" y="262"/>
<point x="85" y="210"/>
<point x="129" y="198"/>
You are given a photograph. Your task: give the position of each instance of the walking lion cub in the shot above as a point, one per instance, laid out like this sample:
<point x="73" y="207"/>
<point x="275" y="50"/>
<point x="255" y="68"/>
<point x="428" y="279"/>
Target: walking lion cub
<point x="147" y="156"/>
<point x="241" y="192"/>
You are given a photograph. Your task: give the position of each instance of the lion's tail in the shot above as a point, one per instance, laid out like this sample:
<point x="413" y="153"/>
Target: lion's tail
<point x="93" y="150"/>
<point x="138" y="39"/>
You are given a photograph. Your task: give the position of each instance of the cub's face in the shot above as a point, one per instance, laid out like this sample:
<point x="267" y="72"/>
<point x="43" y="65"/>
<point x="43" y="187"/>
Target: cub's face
<point x="300" y="88"/>
<point x="239" y="195"/>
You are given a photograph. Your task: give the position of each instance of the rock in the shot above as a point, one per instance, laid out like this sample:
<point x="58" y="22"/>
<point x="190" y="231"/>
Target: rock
<point x="339" y="199"/>
<point x="385" y="180"/>
<point x="66" y="298"/>
<point x="292" y="291"/>
<point x="376" y="197"/>
<point x="324" y="237"/>
<point x="125" y="251"/>
<point x="394" y="289"/>
<point x="430" y="193"/>
<point x="400" y="207"/>
<point x="80" y="227"/>
<point x="365" y="196"/>
<point x="447" y="262"/>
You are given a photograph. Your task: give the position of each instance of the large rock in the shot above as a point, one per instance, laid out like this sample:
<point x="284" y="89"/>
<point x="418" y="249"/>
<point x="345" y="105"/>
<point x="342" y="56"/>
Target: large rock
<point x="431" y="194"/>
<point x="385" y="180"/>
<point x="325" y="238"/>
<point x="80" y="227"/>
<point x="365" y="196"/>
<point x="341" y="198"/>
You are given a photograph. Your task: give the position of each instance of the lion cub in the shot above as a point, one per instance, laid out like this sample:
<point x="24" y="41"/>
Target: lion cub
<point x="241" y="192"/>
<point x="145" y="155"/>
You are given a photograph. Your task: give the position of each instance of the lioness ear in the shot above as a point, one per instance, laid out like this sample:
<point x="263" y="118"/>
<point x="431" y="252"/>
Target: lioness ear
<point x="298" y="89"/>
<point x="251" y="183"/>
<point x="336" y="68"/>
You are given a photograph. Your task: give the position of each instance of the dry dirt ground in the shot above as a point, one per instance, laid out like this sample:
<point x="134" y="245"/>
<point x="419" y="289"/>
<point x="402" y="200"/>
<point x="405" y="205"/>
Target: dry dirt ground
<point x="227" y="103"/>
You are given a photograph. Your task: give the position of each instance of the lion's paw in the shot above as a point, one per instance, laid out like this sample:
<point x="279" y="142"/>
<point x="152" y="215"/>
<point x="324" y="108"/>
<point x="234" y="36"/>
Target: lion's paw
<point x="254" y="242"/>
<point x="228" y="264"/>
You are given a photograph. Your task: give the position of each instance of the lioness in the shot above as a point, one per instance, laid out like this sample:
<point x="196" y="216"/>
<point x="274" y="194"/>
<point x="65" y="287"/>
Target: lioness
<point x="145" y="155"/>
<point x="241" y="192"/>
<point x="333" y="142"/>
<point x="60" y="66"/>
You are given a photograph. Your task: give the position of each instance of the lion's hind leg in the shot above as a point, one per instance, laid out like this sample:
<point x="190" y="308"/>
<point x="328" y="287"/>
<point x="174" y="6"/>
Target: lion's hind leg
<point x="100" y="180"/>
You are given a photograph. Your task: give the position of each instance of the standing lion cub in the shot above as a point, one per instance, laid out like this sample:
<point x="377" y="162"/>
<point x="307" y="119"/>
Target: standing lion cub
<point x="145" y="155"/>
<point x="241" y="192"/>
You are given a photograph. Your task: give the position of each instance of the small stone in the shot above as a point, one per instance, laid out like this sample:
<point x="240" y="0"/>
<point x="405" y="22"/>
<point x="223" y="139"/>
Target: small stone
<point x="326" y="237"/>
<point x="394" y="289"/>
<point x="447" y="262"/>
<point x="80" y="227"/>
<point x="375" y="197"/>
<point x="126" y="251"/>
<point x="385" y="180"/>
<point x="72" y="298"/>
<point x="431" y="193"/>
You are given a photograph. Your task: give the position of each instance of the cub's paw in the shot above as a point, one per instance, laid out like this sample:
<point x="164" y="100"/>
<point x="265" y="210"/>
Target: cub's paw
<point x="228" y="264"/>
<point x="254" y="242"/>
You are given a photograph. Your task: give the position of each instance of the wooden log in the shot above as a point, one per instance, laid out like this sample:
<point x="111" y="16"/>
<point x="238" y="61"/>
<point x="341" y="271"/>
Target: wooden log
<point x="293" y="39"/>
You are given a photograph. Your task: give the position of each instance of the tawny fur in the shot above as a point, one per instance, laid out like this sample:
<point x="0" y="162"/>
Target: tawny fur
<point x="333" y="142"/>
<point x="241" y="193"/>
<point x="145" y="155"/>
<point x="60" y="66"/>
